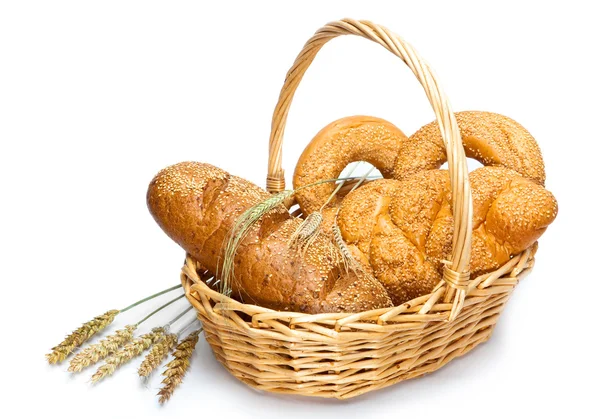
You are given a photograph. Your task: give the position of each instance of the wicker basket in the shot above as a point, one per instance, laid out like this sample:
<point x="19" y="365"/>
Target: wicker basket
<point x="344" y="355"/>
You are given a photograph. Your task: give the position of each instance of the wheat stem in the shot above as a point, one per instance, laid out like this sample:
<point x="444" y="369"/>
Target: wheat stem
<point x="161" y="349"/>
<point x="180" y="315"/>
<point x="363" y="178"/>
<point x="308" y="230"/>
<point x="159" y="309"/>
<point x="347" y="259"/>
<point x="143" y="300"/>
<point x="186" y="326"/>
<point x="339" y="186"/>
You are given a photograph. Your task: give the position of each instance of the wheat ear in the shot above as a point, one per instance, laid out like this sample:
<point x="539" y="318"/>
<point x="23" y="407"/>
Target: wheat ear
<point x="77" y="338"/>
<point x="240" y="231"/>
<point x="161" y="349"/>
<point x="309" y="229"/>
<point x="177" y="368"/>
<point x="245" y="222"/>
<point x="157" y="353"/>
<point x="347" y="258"/>
<point x="94" y="353"/>
<point x="133" y="349"/>
<point x="306" y="233"/>
<point x="81" y="335"/>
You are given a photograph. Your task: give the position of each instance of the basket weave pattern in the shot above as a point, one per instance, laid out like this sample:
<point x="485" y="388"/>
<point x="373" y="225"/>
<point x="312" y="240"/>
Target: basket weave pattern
<point x="344" y="355"/>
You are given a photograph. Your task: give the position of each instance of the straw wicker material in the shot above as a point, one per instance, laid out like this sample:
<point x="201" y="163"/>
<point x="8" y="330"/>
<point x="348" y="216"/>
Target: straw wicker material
<point x="347" y="354"/>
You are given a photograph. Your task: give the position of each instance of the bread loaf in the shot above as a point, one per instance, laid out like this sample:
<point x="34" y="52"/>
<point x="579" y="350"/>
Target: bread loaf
<point x="197" y="204"/>
<point x="491" y="138"/>
<point x="350" y="139"/>
<point x="404" y="228"/>
<point x="399" y="230"/>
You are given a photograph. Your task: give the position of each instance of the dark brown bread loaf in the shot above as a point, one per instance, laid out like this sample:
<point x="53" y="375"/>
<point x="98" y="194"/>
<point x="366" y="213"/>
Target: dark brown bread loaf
<point x="197" y="205"/>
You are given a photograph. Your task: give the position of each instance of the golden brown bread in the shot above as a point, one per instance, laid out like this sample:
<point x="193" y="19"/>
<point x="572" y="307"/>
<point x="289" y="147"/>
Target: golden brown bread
<point x="197" y="204"/>
<point x="350" y="139"/>
<point x="491" y="138"/>
<point x="400" y="231"/>
<point x="404" y="228"/>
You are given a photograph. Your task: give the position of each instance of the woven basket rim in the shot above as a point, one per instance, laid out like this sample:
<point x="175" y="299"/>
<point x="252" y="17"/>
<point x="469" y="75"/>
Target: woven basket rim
<point x="424" y="308"/>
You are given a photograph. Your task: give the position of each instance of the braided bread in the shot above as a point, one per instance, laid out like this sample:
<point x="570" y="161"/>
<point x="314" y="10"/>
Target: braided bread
<point x="404" y="228"/>
<point x="493" y="139"/>
<point x="490" y="138"/>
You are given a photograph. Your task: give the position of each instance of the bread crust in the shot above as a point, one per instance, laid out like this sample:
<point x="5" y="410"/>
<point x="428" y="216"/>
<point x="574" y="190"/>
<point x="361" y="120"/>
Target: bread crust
<point x="404" y="228"/>
<point x="400" y="229"/>
<point x="347" y="140"/>
<point x="197" y="204"/>
<point x="490" y="138"/>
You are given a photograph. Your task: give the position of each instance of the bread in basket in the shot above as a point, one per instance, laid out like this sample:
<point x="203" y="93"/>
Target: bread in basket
<point x="355" y="340"/>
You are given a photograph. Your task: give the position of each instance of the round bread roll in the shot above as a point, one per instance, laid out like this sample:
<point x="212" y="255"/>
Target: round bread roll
<point x="347" y="140"/>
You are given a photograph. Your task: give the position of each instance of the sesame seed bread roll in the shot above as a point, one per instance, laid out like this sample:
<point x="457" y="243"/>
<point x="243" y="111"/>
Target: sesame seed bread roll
<point x="404" y="228"/>
<point x="197" y="205"/>
<point x="490" y="138"/>
<point x="347" y="140"/>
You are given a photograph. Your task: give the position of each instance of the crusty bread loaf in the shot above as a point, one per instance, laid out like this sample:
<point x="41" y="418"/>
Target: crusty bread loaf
<point x="491" y="138"/>
<point x="197" y="204"/>
<point x="398" y="230"/>
<point x="350" y="139"/>
<point x="404" y="228"/>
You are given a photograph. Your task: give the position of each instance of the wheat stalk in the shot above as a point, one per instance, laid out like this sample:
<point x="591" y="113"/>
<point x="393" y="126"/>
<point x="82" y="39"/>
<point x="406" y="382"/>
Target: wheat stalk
<point x="307" y="232"/>
<point x="309" y="229"/>
<point x="133" y="349"/>
<point x="240" y="231"/>
<point x="94" y="353"/>
<point x="177" y="368"/>
<point x="81" y="335"/>
<point x="158" y="352"/>
<point x="246" y="221"/>
<point x="347" y="258"/>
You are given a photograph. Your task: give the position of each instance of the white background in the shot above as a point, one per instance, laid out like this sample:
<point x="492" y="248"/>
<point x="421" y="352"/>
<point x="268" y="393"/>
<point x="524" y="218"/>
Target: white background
<point x="96" y="97"/>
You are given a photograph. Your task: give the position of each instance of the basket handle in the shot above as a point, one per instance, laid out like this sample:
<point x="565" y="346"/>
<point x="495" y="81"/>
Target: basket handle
<point x="456" y="275"/>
